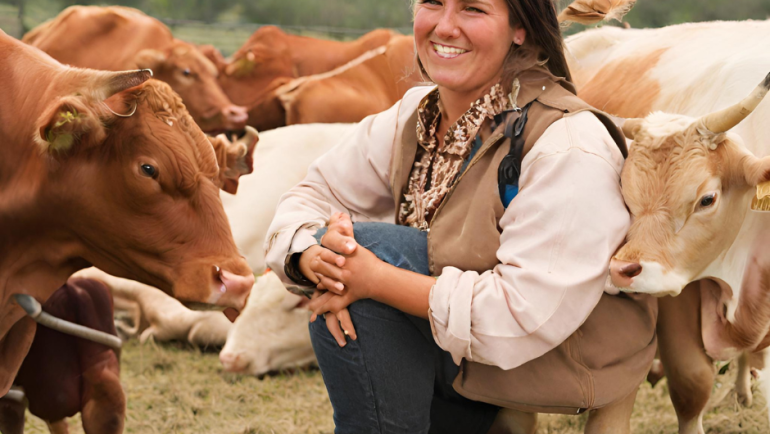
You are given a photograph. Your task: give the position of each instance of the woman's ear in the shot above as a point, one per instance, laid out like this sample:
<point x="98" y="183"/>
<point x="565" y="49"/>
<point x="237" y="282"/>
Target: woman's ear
<point x="519" y="35"/>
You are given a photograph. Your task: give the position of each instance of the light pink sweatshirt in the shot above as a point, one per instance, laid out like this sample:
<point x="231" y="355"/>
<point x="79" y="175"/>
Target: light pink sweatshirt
<point x="558" y="236"/>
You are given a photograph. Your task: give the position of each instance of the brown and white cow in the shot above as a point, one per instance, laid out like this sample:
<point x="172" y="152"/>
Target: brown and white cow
<point x="118" y="38"/>
<point x="689" y="185"/>
<point x="100" y="168"/>
<point x="270" y="54"/>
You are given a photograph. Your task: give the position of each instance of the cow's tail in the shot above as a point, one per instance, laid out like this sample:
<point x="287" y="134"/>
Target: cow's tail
<point x="595" y="11"/>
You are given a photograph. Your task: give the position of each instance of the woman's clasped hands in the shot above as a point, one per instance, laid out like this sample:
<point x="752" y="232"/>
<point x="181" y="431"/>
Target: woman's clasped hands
<point x="344" y="272"/>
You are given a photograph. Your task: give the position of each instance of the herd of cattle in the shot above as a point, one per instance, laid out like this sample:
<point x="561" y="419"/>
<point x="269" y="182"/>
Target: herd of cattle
<point x="109" y="168"/>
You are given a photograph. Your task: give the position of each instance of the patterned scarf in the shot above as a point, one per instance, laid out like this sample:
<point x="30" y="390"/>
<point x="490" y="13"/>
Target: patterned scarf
<point x="442" y="163"/>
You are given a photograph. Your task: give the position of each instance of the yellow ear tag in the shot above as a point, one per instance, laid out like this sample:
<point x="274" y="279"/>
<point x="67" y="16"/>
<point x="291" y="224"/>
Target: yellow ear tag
<point x="61" y="142"/>
<point x="761" y="202"/>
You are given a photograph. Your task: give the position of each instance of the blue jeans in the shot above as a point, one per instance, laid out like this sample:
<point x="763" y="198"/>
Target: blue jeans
<point x="393" y="378"/>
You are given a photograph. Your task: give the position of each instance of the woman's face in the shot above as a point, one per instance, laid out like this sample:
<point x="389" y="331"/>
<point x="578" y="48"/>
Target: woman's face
<point x="462" y="44"/>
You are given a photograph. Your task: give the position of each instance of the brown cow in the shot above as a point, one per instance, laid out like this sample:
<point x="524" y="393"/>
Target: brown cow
<point x="64" y="375"/>
<point x="270" y="54"/>
<point x="358" y="91"/>
<point x="118" y="38"/>
<point x="81" y="185"/>
<point x="366" y="85"/>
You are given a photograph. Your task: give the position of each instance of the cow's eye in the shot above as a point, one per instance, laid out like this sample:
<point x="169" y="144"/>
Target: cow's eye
<point x="186" y="72"/>
<point x="707" y="200"/>
<point x="149" y="170"/>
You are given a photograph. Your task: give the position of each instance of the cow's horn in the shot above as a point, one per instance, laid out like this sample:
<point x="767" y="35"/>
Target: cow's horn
<point x="115" y="82"/>
<point x="723" y="120"/>
<point x="631" y="127"/>
<point x="35" y="311"/>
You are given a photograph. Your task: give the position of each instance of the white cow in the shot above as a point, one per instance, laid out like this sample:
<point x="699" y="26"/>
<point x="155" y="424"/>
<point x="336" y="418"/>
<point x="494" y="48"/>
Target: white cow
<point x="271" y="333"/>
<point x="700" y="228"/>
<point x="160" y="317"/>
<point x="280" y="162"/>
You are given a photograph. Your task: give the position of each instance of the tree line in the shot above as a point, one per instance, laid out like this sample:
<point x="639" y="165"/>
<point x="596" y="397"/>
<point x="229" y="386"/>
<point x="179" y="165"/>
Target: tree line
<point x="368" y="14"/>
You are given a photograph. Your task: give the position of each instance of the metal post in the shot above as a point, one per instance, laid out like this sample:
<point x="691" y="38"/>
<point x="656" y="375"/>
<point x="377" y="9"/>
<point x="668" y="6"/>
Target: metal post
<point x="22" y="27"/>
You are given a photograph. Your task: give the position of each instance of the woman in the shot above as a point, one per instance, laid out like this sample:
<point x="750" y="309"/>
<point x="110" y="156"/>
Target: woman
<point x="512" y="290"/>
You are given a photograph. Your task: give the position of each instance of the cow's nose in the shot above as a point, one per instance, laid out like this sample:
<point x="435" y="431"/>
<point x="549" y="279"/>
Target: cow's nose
<point x="235" y="117"/>
<point x="622" y="273"/>
<point x="631" y="270"/>
<point x="236" y="289"/>
<point x="230" y="361"/>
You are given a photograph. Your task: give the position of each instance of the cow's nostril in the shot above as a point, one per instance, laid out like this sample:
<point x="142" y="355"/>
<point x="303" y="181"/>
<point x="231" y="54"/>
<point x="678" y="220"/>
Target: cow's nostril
<point x="631" y="270"/>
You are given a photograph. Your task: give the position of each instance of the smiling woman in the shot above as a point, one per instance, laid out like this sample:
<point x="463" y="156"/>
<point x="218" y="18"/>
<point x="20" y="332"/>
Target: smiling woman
<point x="469" y="233"/>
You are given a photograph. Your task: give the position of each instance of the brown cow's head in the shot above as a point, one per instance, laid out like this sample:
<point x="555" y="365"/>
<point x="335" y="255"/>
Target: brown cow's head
<point x="252" y="69"/>
<point x="137" y="191"/>
<point x="687" y="183"/>
<point x="194" y="77"/>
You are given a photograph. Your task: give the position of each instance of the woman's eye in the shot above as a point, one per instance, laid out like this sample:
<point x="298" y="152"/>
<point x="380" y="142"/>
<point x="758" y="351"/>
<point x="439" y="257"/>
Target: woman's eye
<point x="430" y="2"/>
<point x="475" y="10"/>
<point x="707" y="200"/>
<point x="186" y="72"/>
<point x="149" y="170"/>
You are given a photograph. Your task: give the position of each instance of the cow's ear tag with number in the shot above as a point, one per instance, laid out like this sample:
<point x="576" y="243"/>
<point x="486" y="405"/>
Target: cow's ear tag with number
<point x="761" y="201"/>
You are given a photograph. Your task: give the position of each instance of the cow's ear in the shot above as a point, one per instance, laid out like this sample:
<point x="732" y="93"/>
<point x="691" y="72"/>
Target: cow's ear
<point x="150" y="59"/>
<point x="67" y="123"/>
<point x="756" y="170"/>
<point x="235" y="158"/>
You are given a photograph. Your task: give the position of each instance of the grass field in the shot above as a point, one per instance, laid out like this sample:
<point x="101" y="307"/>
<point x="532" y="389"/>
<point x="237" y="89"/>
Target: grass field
<point x="175" y="389"/>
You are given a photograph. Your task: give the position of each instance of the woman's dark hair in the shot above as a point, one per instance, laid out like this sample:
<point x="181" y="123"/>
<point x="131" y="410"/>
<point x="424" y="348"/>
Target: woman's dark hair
<point x="543" y="41"/>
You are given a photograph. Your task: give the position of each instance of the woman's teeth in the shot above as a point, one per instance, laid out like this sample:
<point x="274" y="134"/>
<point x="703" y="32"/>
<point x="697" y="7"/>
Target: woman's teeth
<point x="448" y="52"/>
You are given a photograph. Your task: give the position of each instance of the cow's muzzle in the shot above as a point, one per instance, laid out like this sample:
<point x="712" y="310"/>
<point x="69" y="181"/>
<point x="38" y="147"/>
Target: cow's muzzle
<point x="622" y="273"/>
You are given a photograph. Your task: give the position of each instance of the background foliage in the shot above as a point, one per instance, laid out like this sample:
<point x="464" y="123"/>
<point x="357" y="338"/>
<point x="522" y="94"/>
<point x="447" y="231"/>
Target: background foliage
<point x="227" y="23"/>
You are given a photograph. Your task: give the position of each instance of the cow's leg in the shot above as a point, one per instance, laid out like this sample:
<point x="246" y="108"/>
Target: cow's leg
<point x="514" y="422"/>
<point x="743" y="381"/>
<point x="104" y="407"/>
<point x="103" y="403"/>
<point x="612" y="419"/>
<point x="11" y="416"/>
<point x="689" y="370"/>
<point x="58" y="427"/>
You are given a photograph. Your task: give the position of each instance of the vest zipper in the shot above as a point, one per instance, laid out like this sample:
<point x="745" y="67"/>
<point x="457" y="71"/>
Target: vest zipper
<point x="494" y="139"/>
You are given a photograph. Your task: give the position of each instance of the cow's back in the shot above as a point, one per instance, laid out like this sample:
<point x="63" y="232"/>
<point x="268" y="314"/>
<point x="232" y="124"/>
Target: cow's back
<point x="691" y="69"/>
<point x="95" y="37"/>
<point x="350" y="95"/>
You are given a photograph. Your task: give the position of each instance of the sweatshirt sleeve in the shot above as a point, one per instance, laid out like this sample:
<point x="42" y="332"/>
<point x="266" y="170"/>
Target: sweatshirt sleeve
<point x="353" y="177"/>
<point x="558" y="236"/>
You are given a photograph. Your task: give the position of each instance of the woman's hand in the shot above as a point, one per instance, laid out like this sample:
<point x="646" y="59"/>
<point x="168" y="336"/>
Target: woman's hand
<point x="338" y="238"/>
<point x="339" y="323"/>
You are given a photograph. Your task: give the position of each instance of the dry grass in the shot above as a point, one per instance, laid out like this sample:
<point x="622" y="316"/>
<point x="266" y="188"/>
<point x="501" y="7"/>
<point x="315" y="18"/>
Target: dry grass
<point x="175" y="389"/>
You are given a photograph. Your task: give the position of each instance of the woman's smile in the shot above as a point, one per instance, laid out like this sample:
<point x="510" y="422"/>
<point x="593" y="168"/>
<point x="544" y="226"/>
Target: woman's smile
<point x="447" y="51"/>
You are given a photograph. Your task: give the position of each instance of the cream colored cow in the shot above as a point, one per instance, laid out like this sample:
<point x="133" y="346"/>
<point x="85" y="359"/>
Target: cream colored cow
<point x="271" y="333"/>
<point x="693" y="70"/>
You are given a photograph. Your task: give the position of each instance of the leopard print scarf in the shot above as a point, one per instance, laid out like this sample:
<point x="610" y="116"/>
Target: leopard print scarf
<point x="442" y="163"/>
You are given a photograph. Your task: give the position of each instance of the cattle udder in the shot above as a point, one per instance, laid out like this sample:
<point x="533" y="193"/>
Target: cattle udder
<point x="106" y="169"/>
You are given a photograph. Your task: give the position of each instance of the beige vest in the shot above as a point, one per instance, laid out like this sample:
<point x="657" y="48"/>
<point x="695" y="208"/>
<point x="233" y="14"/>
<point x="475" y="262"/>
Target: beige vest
<point x="610" y="354"/>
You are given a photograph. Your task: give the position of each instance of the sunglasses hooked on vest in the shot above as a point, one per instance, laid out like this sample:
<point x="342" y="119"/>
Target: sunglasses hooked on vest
<point x="510" y="168"/>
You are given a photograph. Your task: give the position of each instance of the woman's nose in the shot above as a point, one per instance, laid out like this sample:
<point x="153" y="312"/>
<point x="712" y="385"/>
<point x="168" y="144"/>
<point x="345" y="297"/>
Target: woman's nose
<point x="447" y="27"/>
